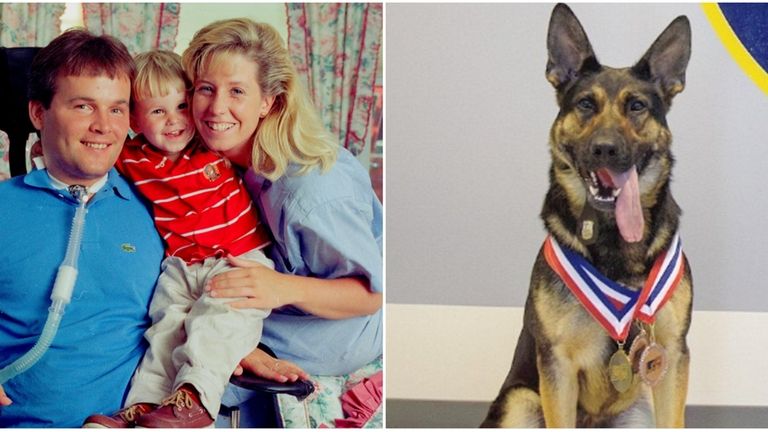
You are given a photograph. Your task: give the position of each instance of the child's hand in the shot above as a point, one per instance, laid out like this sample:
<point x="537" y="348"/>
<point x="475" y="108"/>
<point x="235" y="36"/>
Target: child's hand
<point x="257" y="285"/>
<point x="4" y="400"/>
<point x="263" y="365"/>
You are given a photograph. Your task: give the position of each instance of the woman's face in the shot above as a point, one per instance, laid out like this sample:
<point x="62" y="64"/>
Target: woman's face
<point x="227" y="105"/>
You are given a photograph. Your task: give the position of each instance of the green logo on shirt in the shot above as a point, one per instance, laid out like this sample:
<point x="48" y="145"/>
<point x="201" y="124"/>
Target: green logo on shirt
<point x="127" y="247"/>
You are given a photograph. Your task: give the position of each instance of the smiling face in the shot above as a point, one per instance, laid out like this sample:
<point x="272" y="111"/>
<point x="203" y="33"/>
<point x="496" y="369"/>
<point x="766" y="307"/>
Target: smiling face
<point x="227" y="105"/>
<point x="85" y="127"/>
<point x="165" y="121"/>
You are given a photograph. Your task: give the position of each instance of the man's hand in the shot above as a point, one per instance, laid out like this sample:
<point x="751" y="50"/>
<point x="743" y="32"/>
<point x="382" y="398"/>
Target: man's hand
<point x="263" y="365"/>
<point x="4" y="400"/>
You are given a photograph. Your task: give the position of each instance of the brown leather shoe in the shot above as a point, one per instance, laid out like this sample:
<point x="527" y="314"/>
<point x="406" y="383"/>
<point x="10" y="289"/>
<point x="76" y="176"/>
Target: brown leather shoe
<point x="181" y="410"/>
<point x="125" y="418"/>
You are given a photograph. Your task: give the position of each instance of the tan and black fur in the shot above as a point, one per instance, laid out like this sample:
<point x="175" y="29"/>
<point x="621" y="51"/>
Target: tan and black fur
<point x="608" y="118"/>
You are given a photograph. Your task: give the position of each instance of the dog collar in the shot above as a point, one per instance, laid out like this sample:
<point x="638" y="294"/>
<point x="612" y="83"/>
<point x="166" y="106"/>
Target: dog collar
<point x="611" y="304"/>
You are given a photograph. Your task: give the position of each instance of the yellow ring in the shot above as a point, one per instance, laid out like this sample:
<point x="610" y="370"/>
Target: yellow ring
<point x="734" y="46"/>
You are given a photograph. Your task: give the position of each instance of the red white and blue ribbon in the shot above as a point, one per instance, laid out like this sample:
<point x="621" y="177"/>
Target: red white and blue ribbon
<point x="613" y="305"/>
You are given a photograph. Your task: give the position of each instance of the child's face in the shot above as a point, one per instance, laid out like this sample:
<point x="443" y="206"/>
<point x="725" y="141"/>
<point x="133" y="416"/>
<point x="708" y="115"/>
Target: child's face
<point x="165" y="122"/>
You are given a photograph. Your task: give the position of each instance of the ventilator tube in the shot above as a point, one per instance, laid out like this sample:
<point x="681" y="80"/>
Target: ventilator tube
<point x="62" y="291"/>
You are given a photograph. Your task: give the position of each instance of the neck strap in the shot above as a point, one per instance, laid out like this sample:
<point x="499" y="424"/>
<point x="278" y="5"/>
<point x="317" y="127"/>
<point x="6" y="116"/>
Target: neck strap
<point x="611" y="304"/>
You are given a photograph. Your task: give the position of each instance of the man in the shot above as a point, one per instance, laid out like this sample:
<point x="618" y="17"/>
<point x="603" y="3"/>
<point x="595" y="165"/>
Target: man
<point x="79" y="101"/>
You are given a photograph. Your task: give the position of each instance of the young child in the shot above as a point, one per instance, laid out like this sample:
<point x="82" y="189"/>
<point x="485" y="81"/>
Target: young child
<point x="203" y="213"/>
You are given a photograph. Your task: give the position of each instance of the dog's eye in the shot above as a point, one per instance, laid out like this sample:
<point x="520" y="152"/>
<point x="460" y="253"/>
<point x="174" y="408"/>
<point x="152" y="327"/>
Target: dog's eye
<point x="637" y="105"/>
<point x="586" y="104"/>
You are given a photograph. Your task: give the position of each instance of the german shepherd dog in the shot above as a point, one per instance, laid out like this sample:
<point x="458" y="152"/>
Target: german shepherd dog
<point x="609" y="202"/>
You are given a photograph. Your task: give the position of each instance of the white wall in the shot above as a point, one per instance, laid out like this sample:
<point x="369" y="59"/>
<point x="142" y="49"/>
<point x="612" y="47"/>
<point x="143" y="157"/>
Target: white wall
<point x="468" y="118"/>
<point x="194" y="16"/>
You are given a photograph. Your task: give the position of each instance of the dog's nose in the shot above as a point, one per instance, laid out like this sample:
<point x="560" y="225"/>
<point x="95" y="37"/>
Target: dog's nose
<point x="605" y="152"/>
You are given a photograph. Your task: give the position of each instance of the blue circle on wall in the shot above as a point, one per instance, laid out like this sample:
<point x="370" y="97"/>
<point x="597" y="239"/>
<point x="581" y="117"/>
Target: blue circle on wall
<point x="749" y="22"/>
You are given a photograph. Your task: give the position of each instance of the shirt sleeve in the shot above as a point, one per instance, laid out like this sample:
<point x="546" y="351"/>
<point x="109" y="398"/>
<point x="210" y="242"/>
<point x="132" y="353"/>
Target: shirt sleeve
<point x="336" y="239"/>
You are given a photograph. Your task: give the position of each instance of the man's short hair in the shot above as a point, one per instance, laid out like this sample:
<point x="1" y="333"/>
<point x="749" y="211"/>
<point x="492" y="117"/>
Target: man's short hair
<point x="77" y="52"/>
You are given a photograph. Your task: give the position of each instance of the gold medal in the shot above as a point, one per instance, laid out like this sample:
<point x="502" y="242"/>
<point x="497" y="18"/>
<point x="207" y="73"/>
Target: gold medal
<point x="620" y="370"/>
<point x="653" y="364"/>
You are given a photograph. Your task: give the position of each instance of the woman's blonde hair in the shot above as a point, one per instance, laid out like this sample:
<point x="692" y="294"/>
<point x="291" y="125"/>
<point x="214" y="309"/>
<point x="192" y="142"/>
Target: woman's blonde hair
<point x="157" y="74"/>
<point x="292" y="130"/>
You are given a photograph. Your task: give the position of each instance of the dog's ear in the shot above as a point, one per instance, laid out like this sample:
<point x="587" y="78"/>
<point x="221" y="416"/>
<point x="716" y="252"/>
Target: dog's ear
<point x="666" y="60"/>
<point x="570" y="53"/>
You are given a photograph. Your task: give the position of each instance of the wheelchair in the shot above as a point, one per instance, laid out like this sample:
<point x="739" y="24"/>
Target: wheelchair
<point x="14" y="114"/>
<point x="261" y="406"/>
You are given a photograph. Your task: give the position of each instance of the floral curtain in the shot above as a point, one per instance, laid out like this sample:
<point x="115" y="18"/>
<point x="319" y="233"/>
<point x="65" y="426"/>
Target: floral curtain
<point x="140" y="26"/>
<point x="29" y="24"/>
<point x="5" y="163"/>
<point x="335" y="48"/>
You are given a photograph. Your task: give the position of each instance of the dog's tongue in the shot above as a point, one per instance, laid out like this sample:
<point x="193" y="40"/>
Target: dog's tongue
<point x="629" y="213"/>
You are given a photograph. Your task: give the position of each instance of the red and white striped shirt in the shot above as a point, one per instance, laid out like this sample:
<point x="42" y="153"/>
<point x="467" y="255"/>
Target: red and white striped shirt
<point x="201" y="206"/>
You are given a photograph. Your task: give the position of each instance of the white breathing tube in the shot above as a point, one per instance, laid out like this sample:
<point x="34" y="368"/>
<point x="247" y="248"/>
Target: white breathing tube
<point x="62" y="291"/>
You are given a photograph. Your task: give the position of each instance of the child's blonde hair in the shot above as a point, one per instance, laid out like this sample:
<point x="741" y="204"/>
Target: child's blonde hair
<point x="158" y="72"/>
<point x="292" y="130"/>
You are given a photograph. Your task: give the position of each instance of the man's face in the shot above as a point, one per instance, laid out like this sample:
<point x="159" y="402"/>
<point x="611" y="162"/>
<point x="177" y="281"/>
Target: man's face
<point x="84" y="129"/>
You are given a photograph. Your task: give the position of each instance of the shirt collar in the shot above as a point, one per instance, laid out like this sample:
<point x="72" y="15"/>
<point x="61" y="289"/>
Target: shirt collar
<point x="40" y="178"/>
<point x="255" y="183"/>
<point x="92" y="189"/>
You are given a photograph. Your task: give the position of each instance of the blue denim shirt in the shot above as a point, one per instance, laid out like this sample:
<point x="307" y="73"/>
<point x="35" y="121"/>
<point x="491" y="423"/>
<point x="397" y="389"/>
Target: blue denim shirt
<point x="326" y="225"/>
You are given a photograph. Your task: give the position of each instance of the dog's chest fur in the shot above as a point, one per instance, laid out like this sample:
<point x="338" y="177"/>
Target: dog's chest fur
<point x="571" y="335"/>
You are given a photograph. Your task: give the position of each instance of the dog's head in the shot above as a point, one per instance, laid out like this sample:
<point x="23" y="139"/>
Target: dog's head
<point x="610" y="142"/>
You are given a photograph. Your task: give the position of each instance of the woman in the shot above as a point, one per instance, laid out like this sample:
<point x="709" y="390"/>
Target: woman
<point x="326" y="294"/>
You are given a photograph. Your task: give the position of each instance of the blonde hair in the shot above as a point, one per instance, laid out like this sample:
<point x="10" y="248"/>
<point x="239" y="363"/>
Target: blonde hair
<point x="292" y="130"/>
<point x="158" y="72"/>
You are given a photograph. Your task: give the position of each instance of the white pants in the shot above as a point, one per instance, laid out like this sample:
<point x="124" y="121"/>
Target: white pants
<point x="194" y="339"/>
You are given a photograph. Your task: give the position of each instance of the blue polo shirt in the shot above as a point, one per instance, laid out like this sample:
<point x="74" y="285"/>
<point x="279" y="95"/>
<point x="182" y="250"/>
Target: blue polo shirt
<point x="100" y="339"/>
<point x="325" y="225"/>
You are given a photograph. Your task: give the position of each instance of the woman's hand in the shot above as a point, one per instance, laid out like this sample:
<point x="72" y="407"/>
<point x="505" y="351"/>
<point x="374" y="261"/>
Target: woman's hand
<point x="261" y="286"/>
<point x="263" y="365"/>
<point x="258" y="286"/>
<point x="4" y="400"/>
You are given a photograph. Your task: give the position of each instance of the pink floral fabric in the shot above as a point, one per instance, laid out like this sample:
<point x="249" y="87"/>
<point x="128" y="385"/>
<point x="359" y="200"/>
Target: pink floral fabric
<point x="328" y="407"/>
<point x="30" y="24"/>
<point x="140" y="26"/>
<point x="335" y="47"/>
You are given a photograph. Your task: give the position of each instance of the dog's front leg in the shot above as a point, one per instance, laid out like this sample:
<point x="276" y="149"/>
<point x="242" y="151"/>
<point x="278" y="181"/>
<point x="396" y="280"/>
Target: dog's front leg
<point x="669" y="394"/>
<point x="559" y="390"/>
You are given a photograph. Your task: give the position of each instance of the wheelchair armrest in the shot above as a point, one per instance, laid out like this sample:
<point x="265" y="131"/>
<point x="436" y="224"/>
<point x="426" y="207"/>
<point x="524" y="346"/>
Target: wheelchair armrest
<point x="300" y="388"/>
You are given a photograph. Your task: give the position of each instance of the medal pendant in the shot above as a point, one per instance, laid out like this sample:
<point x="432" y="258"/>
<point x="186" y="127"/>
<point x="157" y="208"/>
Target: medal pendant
<point x="620" y="370"/>
<point x="653" y="364"/>
<point x="588" y="225"/>
<point x="639" y="345"/>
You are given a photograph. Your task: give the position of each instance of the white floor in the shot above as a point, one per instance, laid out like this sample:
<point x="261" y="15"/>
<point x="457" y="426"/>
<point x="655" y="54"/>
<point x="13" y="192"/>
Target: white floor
<point x="462" y="354"/>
